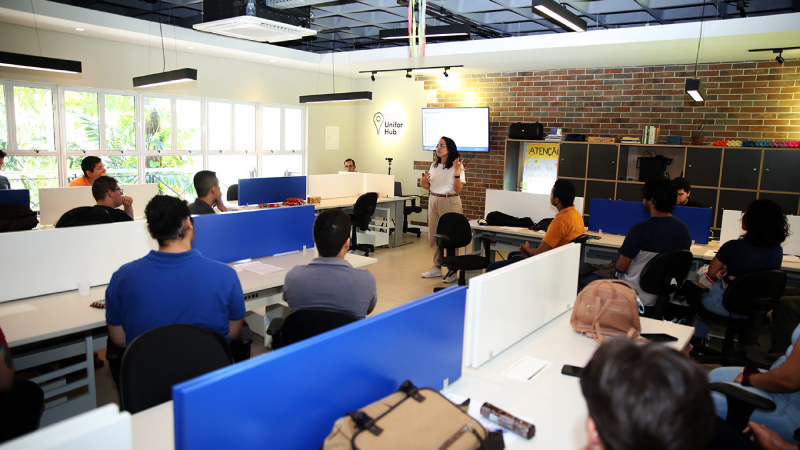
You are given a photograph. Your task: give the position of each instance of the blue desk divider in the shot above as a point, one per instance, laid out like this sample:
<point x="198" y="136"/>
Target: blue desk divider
<point x="15" y="197"/>
<point x="290" y="398"/>
<point x="616" y="217"/>
<point x="239" y="235"/>
<point x="254" y="191"/>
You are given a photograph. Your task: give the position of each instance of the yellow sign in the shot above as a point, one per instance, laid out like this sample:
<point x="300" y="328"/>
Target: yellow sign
<point x="546" y="151"/>
<point x="540" y="170"/>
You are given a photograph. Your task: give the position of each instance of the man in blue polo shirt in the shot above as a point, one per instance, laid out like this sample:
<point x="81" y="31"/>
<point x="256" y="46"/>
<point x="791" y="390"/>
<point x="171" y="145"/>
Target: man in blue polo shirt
<point x="329" y="281"/>
<point x="174" y="285"/>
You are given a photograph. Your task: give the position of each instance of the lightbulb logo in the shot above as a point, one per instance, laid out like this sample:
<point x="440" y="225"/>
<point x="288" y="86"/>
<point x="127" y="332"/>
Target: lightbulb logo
<point x="377" y="119"/>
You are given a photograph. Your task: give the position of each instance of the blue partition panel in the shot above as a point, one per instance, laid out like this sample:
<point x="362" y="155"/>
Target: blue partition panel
<point x="616" y="217"/>
<point x="254" y="191"/>
<point x="15" y="197"/>
<point x="239" y="235"/>
<point x="290" y="398"/>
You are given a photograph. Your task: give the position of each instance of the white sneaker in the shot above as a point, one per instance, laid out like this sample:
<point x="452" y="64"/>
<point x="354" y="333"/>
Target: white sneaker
<point x="435" y="272"/>
<point x="451" y="276"/>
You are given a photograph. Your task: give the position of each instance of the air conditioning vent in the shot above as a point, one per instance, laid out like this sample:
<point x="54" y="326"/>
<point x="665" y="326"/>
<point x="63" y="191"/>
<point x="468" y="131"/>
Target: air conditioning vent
<point x="255" y="29"/>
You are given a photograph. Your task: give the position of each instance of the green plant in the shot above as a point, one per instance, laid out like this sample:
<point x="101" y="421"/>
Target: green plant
<point x="699" y="130"/>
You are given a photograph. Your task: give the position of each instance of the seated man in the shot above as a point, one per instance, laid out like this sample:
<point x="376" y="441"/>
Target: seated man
<point x="92" y="168"/>
<point x="329" y="281"/>
<point x="350" y="165"/>
<point x="566" y="226"/>
<point x="209" y="194"/>
<point x="646" y="396"/>
<point x="684" y="191"/>
<point x="109" y="198"/>
<point x="660" y="234"/>
<point x="4" y="183"/>
<point x="174" y="284"/>
<point x="21" y="401"/>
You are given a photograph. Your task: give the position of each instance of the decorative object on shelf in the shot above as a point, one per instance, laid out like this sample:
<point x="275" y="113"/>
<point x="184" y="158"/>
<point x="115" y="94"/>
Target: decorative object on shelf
<point x="650" y="134"/>
<point x="697" y="135"/>
<point x="601" y="139"/>
<point x="772" y="144"/>
<point x="720" y="144"/>
<point x="673" y="140"/>
<point x="734" y="143"/>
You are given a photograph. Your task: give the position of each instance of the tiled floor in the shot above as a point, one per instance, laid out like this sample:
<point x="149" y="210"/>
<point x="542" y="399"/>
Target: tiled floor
<point x="398" y="276"/>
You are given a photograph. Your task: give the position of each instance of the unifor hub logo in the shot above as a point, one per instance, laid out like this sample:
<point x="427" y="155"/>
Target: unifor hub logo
<point x="386" y="124"/>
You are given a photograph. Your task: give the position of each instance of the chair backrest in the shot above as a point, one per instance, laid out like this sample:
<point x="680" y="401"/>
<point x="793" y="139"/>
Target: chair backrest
<point x="582" y="241"/>
<point x="658" y="274"/>
<point x="364" y="209"/>
<point x="398" y="189"/>
<point x="165" y="356"/>
<point x="309" y="322"/>
<point x="456" y="227"/>
<point x="82" y="216"/>
<point x="233" y="192"/>
<point x="754" y="292"/>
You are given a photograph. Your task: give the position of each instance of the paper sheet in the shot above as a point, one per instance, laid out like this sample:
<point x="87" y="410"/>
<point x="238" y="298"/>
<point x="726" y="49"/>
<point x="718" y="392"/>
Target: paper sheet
<point x="711" y="253"/>
<point x="258" y="268"/>
<point x="475" y="412"/>
<point x="16" y="309"/>
<point x="526" y="369"/>
<point x="791" y="259"/>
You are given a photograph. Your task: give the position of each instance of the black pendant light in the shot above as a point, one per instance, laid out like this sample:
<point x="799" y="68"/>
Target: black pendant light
<point x="164" y="77"/>
<point x="334" y="97"/>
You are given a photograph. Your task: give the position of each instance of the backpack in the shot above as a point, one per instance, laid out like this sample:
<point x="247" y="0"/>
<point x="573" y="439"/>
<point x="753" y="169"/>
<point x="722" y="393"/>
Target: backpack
<point x="607" y="308"/>
<point x="14" y="217"/>
<point x="84" y="215"/>
<point x="496" y="218"/>
<point x="542" y="225"/>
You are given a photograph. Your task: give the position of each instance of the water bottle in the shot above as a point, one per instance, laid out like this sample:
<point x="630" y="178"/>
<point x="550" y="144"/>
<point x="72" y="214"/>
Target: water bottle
<point x="251" y="8"/>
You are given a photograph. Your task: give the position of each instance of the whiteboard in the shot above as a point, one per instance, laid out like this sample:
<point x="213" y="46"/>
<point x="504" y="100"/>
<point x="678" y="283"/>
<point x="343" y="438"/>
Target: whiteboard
<point x="523" y="204"/>
<point x="54" y="260"/>
<point x="732" y="229"/>
<point x="507" y="304"/>
<point x="54" y="202"/>
<point x="539" y="167"/>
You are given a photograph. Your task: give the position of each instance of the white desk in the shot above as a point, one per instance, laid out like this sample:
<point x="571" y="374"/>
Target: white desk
<point x="553" y="401"/>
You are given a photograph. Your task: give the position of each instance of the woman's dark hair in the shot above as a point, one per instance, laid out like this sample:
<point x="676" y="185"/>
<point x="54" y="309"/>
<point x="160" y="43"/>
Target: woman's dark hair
<point x="765" y="223"/>
<point x="452" y="153"/>
<point x="165" y="217"/>
<point x="647" y="396"/>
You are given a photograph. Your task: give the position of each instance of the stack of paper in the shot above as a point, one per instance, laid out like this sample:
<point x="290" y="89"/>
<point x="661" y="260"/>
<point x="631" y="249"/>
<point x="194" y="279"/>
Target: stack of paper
<point x="257" y="268"/>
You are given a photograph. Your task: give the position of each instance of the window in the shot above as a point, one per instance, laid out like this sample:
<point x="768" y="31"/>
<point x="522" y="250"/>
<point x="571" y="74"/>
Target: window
<point x="271" y="128"/>
<point x="3" y="122"/>
<point x="123" y="167"/>
<point x="33" y="109"/>
<point x="189" y="124"/>
<point x="282" y="166"/>
<point x="245" y="128"/>
<point x="82" y="120"/>
<point x="219" y="126"/>
<point x="173" y="174"/>
<point x="120" y="122"/>
<point x="231" y="168"/>
<point x="293" y="131"/>
<point x="32" y="173"/>
<point x="157" y="124"/>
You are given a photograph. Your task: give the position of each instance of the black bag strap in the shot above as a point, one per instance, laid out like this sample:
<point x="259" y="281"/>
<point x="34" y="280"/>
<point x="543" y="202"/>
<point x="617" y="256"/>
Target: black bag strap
<point x="365" y="422"/>
<point x="412" y="391"/>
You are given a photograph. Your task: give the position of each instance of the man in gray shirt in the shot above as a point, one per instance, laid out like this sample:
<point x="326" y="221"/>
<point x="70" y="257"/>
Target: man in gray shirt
<point x="329" y="281"/>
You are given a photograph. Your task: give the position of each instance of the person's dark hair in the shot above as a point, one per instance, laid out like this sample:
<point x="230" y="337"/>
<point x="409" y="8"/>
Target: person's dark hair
<point x="204" y="181"/>
<point x="682" y="183"/>
<point x="2" y="154"/>
<point x="564" y="190"/>
<point x="452" y="153"/>
<point x="663" y="194"/>
<point x="647" y="396"/>
<point x="88" y="163"/>
<point x="165" y="217"/>
<point x="331" y="230"/>
<point x="765" y="223"/>
<point x="351" y="160"/>
<point x="101" y="186"/>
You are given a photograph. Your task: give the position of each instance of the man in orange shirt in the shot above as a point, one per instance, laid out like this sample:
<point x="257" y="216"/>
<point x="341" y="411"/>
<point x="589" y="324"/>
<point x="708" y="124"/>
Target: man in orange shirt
<point x="92" y="168"/>
<point x="566" y="226"/>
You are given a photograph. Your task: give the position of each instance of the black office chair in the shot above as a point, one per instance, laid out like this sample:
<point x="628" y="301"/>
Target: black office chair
<point x="741" y="404"/>
<point x="165" y="356"/>
<point x="407" y="210"/>
<point x="362" y="214"/>
<point x="753" y="295"/>
<point x="453" y="232"/>
<point x="305" y="323"/>
<point x="233" y="193"/>
<point x="663" y="276"/>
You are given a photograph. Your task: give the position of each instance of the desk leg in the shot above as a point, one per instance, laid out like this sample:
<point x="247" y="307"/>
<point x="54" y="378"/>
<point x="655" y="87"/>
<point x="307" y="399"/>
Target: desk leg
<point x="397" y="212"/>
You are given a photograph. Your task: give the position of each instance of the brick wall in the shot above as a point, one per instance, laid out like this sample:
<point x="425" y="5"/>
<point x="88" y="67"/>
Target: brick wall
<point x="747" y="100"/>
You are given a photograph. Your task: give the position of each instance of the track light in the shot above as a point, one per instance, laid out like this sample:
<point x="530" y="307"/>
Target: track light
<point x="445" y="72"/>
<point x="779" y="58"/>
<point x="408" y="73"/>
<point x="373" y="76"/>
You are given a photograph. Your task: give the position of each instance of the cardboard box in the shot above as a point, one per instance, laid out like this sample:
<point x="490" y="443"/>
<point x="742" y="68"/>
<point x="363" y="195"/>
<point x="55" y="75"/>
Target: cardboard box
<point x="314" y="200"/>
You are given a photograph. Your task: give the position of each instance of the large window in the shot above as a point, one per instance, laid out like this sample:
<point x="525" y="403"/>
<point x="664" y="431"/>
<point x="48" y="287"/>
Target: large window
<point x="47" y="131"/>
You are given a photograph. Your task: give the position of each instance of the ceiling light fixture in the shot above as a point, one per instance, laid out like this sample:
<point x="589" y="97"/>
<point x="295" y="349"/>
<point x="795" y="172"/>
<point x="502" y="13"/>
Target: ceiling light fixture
<point x="693" y="86"/>
<point x="373" y="76"/>
<point x="190" y="48"/>
<point x="22" y="61"/>
<point x="80" y="29"/>
<point x="433" y="32"/>
<point x="445" y="72"/>
<point x="408" y="73"/>
<point x="560" y="14"/>
<point x="334" y="97"/>
<point x="780" y="59"/>
<point x="171" y="77"/>
<point x="409" y="69"/>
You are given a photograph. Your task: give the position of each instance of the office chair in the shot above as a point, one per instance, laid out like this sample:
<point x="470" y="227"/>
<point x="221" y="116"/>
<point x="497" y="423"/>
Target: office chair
<point x="753" y="295"/>
<point x="305" y="323"/>
<point x="165" y="356"/>
<point x="663" y="276"/>
<point x="453" y="232"/>
<point x="233" y="193"/>
<point x="407" y="210"/>
<point x="362" y="214"/>
<point x="581" y="264"/>
<point x="741" y="404"/>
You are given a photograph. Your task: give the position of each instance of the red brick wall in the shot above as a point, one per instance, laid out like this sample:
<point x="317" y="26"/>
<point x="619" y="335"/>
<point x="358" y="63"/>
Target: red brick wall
<point x="746" y="100"/>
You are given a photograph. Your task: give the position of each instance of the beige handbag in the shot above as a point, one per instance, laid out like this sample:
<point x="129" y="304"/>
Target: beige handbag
<point x="607" y="308"/>
<point x="411" y="418"/>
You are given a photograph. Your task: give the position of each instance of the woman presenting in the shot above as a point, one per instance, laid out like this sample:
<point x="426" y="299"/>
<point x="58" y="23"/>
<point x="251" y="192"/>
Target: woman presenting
<point x="444" y="180"/>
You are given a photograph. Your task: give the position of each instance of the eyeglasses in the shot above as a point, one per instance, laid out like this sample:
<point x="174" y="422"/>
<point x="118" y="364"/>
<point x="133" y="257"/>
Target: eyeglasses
<point x="121" y="191"/>
<point x="441" y="145"/>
